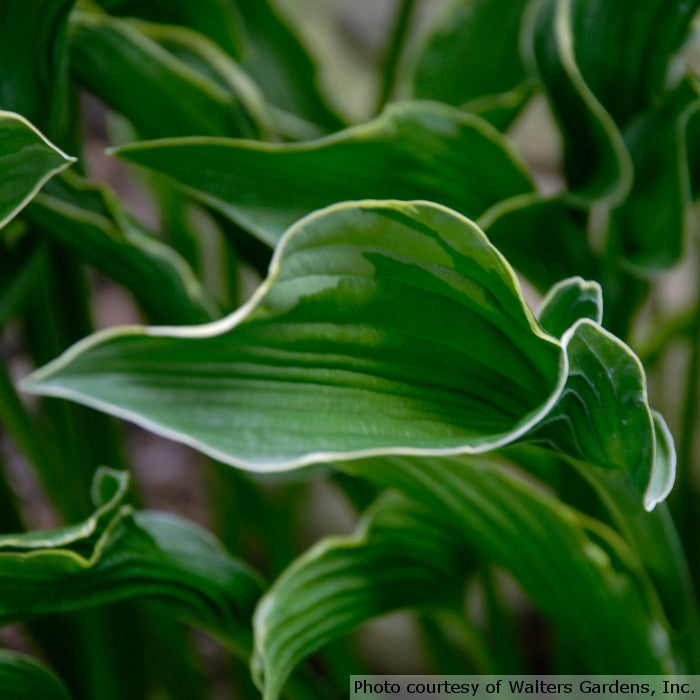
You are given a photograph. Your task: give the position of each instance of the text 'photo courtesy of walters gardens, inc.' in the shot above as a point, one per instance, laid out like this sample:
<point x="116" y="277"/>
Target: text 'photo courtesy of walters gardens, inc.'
<point x="403" y="687"/>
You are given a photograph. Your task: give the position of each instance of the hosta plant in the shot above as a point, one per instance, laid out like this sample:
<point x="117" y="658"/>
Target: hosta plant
<point x="403" y="307"/>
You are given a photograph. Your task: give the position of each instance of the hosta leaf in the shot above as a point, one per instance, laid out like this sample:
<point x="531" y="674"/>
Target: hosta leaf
<point x="567" y="302"/>
<point x="280" y="65"/>
<point x="624" y="50"/>
<point x="333" y="357"/>
<point x="359" y="300"/>
<point x="653" y="221"/>
<point x="117" y="554"/>
<point x="413" y="150"/>
<point x="602" y="412"/>
<point x="256" y="115"/>
<point x="566" y="562"/>
<point x="521" y="226"/>
<point x="22" y="678"/>
<point x="400" y="556"/>
<point x="217" y="19"/>
<point x="33" y="62"/>
<point x="597" y="163"/>
<point x="255" y="35"/>
<point x="602" y="63"/>
<point x="472" y="52"/>
<point x="159" y="93"/>
<point x="27" y="161"/>
<point x="89" y="219"/>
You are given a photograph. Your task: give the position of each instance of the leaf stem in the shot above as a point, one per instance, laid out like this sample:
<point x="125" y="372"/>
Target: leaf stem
<point x="394" y="50"/>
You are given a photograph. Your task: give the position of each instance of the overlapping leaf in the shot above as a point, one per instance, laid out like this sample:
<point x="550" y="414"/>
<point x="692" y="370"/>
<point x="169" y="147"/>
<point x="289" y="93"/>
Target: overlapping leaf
<point x="597" y="163"/>
<point x="22" y="678"/>
<point x="609" y="72"/>
<point x="118" y="554"/>
<point x="89" y="219"/>
<point x="27" y="161"/>
<point x="334" y="357"/>
<point x="406" y="555"/>
<point x="474" y="52"/>
<point x="522" y="225"/>
<point x="258" y="38"/>
<point x="400" y="556"/>
<point x="412" y="151"/>
<point x="161" y="94"/>
<point x="653" y="222"/>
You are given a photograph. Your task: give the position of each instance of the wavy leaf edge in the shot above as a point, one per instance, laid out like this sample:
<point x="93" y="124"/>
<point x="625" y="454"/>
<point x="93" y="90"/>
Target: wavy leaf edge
<point x="657" y="488"/>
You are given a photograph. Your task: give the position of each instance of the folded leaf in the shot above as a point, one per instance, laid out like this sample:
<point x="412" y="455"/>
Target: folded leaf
<point x="567" y="302"/>
<point x="254" y="34"/>
<point x="597" y="163"/>
<point x="473" y="51"/>
<point x="412" y="151"/>
<point x="22" y="678"/>
<point x="653" y="222"/>
<point x="89" y="219"/>
<point x="565" y="561"/>
<point x="334" y="354"/>
<point x="160" y="94"/>
<point x="117" y="554"/>
<point x="27" y="161"/>
<point x="334" y="358"/>
<point x="400" y="556"/>
<point x="602" y="63"/>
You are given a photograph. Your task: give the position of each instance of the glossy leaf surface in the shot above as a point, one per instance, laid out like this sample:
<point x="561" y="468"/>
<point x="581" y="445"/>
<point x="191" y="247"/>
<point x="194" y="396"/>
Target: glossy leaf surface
<point x="333" y="357"/>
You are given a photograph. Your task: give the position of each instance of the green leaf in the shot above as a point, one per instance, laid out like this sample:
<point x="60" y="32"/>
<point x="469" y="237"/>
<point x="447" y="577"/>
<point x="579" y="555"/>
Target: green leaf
<point x="90" y="220"/>
<point x="33" y="62"/>
<point x="597" y="163"/>
<point x="531" y="223"/>
<point x="625" y="51"/>
<point x="566" y="562"/>
<point x="159" y="93"/>
<point x="256" y="36"/>
<point x="27" y="161"/>
<point x="22" y="678"/>
<point x="473" y="51"/>
<point x="117" y="554"/>
<point x="400" y="556"/>
<point x="567" y="302"/>
<point x="360" y="300"/>
<point x="280" y="64"/>
<point x="653" y="222"/>
<point x="413" y="150"/>
<point x="597" y="81"/>
<point x="217" y="19"/>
